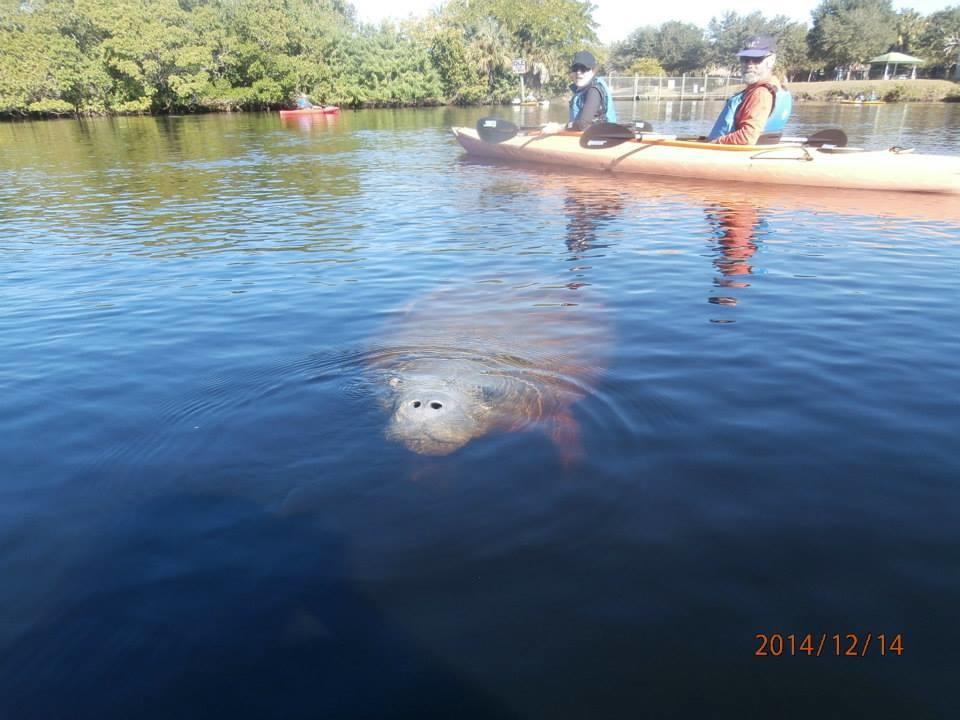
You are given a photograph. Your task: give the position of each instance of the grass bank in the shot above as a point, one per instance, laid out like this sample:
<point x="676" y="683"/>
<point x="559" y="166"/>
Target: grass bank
<point x="889" y="90"/>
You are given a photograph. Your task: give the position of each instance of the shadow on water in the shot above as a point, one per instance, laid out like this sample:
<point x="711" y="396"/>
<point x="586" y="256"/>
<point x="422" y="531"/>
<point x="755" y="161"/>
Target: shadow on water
<point x="237" y="614"/>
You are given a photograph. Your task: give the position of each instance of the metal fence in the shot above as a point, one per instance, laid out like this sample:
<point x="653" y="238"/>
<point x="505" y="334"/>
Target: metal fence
<point x="685" y="87"/>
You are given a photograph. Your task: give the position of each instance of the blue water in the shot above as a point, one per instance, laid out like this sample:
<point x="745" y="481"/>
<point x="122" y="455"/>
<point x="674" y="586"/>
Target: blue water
<point x="200" y="516"/>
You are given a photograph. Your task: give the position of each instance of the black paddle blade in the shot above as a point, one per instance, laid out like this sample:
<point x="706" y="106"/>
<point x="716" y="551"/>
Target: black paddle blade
<point x="496" y="130"/>
<point x="830" y="136"/>
<point x="605" y="135"/>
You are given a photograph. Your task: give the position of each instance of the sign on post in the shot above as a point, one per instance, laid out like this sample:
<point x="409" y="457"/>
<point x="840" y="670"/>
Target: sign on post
<point x="519" y="66"/>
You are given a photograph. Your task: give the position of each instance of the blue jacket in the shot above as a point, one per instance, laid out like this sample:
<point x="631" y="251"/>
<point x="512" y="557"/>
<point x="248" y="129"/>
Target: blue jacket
<point x="782" y="107"/>
<point x="607" y="110"/>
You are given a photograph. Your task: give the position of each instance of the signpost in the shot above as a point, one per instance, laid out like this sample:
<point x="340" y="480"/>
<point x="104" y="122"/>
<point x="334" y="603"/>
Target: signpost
<point x="520" y="68"/>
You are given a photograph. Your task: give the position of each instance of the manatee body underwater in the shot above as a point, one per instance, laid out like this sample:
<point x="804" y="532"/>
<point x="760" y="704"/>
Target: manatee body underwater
<point x="475" y="358"/>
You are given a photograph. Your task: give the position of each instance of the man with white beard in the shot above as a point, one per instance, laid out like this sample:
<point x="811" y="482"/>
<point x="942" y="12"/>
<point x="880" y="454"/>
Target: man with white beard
<point x="763" y="106"/>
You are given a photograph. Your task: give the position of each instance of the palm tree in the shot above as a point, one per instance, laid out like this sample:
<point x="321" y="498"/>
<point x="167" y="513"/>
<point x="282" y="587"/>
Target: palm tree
<point x="950" y="46"/>
<point x="489" y="49"/>
<point x="910" y="26"/>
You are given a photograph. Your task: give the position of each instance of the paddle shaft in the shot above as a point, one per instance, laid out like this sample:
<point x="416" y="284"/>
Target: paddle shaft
<point x="608" y="135"/>
<point x="498" y="130"/>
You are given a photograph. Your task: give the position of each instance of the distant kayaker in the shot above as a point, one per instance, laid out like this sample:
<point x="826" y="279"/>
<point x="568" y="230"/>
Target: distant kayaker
<point x="591" y="101"/>
<point x="763" y="106"/>
<point x="303" y="102"/>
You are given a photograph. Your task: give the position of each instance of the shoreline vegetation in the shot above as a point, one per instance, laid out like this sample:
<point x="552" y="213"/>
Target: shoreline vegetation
<point x="891" y="91"/>
<point x="137" y="57"/>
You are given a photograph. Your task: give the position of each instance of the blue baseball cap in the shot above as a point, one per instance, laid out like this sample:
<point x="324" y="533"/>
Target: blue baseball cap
<point x="759" y="46"/>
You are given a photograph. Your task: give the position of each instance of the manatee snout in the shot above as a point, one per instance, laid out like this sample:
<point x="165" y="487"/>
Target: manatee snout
<point x="431" y="422"/>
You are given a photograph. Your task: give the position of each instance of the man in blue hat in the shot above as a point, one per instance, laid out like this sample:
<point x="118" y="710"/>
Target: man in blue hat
<point x="763" y="106"/>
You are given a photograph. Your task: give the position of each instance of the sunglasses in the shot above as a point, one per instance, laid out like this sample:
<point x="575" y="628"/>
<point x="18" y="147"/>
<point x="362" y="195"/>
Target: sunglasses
<point x="579" y="69"/>
<point x="753" y="60"/>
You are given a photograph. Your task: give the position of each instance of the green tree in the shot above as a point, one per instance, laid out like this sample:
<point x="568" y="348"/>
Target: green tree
<point x="641" y="43"/>
<point x="646" y="66"/>
<point x="911" y="26"/>
<point x="846" y="32"/>
<point x="938" y="44"/>
<point x="461" y="82"/>
<point x="490" y="51"/>
<point x="681" y="47"/>
<point x="43" y="66"/>
<point x="951" y="46"/>
<point x="544" y="34"/>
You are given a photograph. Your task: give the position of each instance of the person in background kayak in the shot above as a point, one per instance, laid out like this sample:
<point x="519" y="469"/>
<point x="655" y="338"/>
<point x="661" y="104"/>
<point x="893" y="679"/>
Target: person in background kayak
<point x="303" y="102"/>
<point x="591" y="101"/>
<point x="763" y="106"/>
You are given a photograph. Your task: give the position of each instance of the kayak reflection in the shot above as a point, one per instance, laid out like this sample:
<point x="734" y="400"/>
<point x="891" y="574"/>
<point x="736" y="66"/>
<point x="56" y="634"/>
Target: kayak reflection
<point x="309" y="122"/>
<point x="873" y="204"/>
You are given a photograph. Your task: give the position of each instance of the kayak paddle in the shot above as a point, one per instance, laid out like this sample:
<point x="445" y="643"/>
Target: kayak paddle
<point x="607" y="135"/>
<point x="830" y="136"/>
<point x="604" y="135"/>
<point x="498" y="130"/>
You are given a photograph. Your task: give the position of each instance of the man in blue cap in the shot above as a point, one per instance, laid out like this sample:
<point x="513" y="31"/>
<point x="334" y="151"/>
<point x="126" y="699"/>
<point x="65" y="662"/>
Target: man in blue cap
<point x="763" y="106"/>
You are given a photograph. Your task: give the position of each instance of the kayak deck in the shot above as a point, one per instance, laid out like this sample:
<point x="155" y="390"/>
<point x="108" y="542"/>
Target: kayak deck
<point x="783" y="164"/>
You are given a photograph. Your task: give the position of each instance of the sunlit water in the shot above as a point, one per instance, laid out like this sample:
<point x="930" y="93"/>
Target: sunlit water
<point x="201" y="516"/>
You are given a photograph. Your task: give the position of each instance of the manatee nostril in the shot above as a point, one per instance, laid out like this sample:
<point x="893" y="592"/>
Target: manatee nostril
<point x="416" y="403"/>
<point x="436" y="405"/>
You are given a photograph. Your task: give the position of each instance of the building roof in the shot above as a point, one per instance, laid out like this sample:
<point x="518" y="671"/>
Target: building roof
<point x="896" y="58"/>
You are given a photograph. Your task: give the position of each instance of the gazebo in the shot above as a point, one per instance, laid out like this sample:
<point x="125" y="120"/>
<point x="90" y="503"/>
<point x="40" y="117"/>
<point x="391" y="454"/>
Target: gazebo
<point x="896" y="58"/>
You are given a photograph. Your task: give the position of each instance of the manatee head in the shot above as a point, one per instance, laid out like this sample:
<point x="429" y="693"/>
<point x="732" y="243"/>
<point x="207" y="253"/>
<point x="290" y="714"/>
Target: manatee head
<point x="435" y="415"/>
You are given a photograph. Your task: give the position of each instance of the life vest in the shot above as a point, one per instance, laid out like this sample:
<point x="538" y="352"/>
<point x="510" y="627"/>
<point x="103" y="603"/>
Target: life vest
<point x="782" y="106"/>
<point x="607" y="111"/>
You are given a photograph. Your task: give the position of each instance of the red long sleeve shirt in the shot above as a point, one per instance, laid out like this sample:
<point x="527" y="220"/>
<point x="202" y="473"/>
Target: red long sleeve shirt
<point x="752" y="115"/>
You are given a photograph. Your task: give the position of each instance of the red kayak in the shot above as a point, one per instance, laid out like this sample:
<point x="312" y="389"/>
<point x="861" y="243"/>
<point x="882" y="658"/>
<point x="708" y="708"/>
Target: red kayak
<point x="322" y="110"/>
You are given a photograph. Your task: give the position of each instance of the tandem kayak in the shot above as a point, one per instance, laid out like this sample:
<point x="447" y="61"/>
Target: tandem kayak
<point x="323" y="110"/>
<point x="896" y="169"/>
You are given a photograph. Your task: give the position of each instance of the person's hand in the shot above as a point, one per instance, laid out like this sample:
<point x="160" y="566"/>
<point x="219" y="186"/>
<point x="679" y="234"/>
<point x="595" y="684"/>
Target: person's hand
<point x="552" y="128"/>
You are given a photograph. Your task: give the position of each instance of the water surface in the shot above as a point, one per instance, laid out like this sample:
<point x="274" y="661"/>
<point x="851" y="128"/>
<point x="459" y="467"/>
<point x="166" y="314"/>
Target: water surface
<point x="200" y="515"/>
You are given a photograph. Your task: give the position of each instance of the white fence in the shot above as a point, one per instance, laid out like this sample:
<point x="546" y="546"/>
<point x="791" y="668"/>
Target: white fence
<point x="685" y="87"/>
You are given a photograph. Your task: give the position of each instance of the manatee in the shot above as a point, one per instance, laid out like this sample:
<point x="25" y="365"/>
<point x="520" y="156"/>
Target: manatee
<point x="468" y="360"/>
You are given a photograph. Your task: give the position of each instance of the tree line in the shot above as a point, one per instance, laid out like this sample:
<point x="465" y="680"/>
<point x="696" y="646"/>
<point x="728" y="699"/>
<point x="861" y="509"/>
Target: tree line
<point x="845" y="34"/>
<point x="157" y="56"/>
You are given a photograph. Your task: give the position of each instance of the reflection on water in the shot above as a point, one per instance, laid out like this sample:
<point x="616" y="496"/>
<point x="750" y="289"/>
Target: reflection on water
<point x="588" y="211"/>
<point x="315" y="123"/>
<point x="735" y="229"/>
